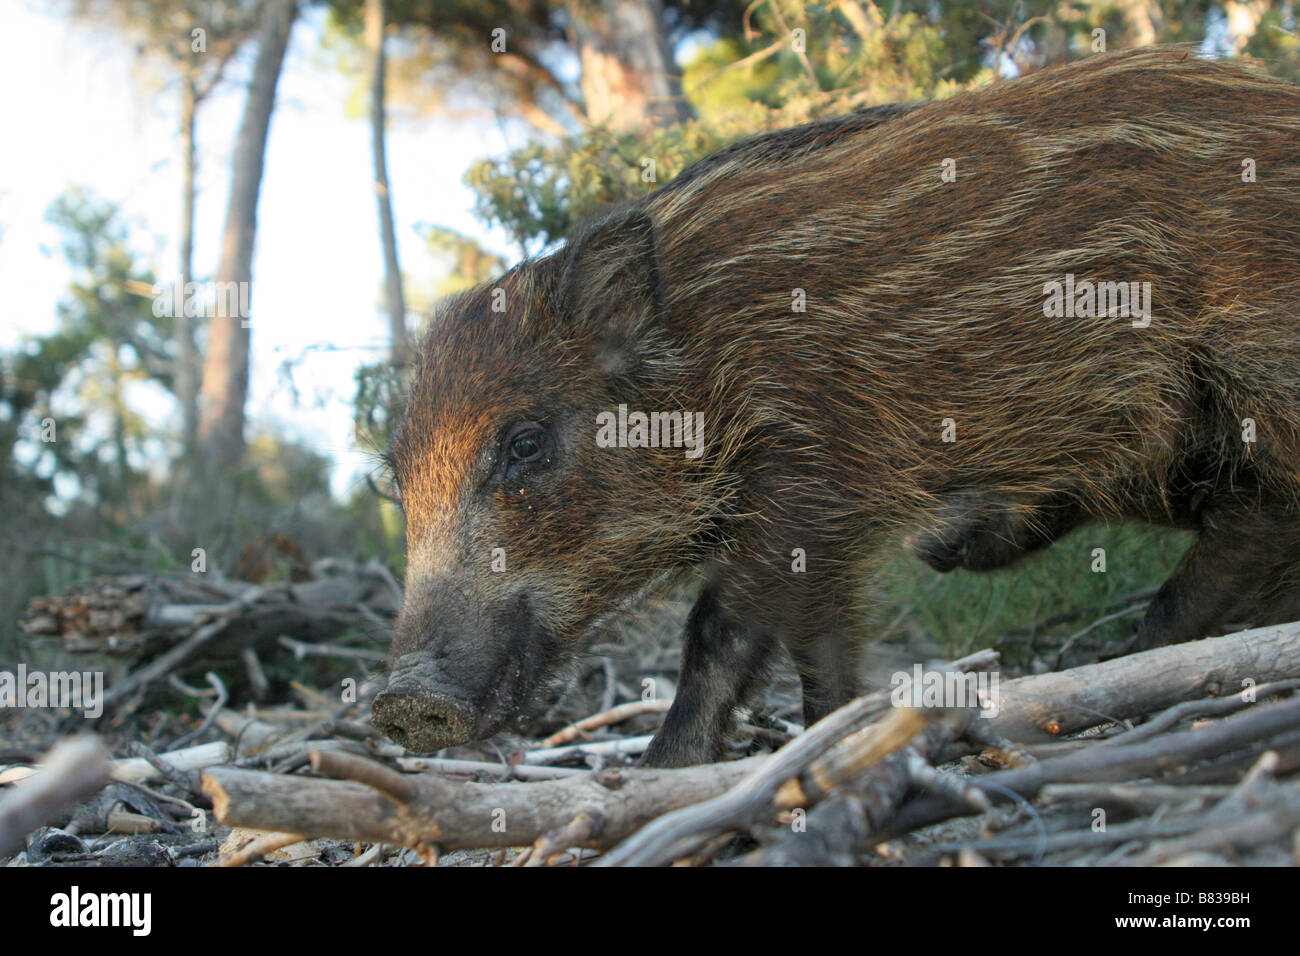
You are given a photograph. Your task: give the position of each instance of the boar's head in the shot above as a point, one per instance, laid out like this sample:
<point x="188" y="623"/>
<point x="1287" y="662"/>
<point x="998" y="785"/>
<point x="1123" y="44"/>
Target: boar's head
<point x="521" y="530"/>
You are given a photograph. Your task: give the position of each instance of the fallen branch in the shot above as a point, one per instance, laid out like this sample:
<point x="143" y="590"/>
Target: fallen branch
<point x="462" y="815"/>
<point x="502" y="771"/>
<point x="1145" y="798"/>
<point x="1273" y="818"/>
<point x="679" y="834"/>
<point x="835" y="831"/>
<point x="613" y="715"/>
<point x="140" y="769"/>
<point x="255" y="849"/>
<point x="74" y="770"/>
<point x="1265" y="725"/>
<point x="168" y="626"/>
<point x="628" y="746"/>
<point x="165" y="663"/>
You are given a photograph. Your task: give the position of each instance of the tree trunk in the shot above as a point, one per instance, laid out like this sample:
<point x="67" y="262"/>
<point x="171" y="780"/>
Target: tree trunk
<point x="383" y="195"/>
<point x="629" y="79"/>
<point x="225" y="373"/>
<point x="187" y="360"/>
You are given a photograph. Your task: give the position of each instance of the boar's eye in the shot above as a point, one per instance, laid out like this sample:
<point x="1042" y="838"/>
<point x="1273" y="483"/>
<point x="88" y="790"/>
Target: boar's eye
<point x="525" y="448"/>
<point x="526" y="444"/>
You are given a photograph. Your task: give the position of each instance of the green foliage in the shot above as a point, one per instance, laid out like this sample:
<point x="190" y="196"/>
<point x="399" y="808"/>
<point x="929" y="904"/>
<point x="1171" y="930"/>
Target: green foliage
<point x="468" y="263"/>
<point x="286" y="471"/>
<point x="716" y="86"/>
<point x="1276" y="45"/>
<point x="381" y="395"/>
<point x="737" y="88"/>
<point x="853" y="55"/>
<point x="381" y="392"/>
<point x="283" y="487"/>
<point x="964" y="611"/>
<point x="81" y="376"/>
<point x="538" y="193"/>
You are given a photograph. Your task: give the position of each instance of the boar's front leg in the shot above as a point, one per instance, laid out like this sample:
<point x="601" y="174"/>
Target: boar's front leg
<point x="724" y="660"/>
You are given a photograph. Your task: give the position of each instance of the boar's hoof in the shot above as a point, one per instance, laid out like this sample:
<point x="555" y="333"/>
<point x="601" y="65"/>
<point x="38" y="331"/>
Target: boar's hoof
<point x="422" y="722"/>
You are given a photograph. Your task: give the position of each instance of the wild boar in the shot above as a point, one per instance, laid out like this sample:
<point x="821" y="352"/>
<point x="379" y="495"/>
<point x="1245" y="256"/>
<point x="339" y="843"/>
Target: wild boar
<point x="870" y="323"/>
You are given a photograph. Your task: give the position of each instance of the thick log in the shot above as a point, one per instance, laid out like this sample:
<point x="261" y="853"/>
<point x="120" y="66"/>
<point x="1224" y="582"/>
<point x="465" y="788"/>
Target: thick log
<point x="1038" y="708"/>
<point x="455" y="815"/>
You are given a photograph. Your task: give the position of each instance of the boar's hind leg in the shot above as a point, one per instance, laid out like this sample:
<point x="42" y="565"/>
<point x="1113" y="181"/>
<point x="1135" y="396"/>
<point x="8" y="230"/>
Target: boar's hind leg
<point x="1277" y="598"/>
<point x="724" y="660"/>
<point x="1247" y="541"/>
<point x="1280" y="601"/>
<point x="982" y="531"/>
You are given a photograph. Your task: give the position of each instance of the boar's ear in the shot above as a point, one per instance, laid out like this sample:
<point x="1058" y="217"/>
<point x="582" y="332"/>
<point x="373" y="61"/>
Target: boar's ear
<point x="610" y="289"/>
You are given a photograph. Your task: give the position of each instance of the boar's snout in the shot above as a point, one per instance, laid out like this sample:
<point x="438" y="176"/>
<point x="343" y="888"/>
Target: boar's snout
<point x="414" y="711"/>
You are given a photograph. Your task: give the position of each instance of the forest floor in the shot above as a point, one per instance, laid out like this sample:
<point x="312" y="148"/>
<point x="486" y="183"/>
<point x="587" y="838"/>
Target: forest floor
<point x="277" y="699"/>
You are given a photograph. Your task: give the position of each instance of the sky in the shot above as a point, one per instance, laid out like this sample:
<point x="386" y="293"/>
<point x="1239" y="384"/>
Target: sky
<point x="94" y="118"/>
